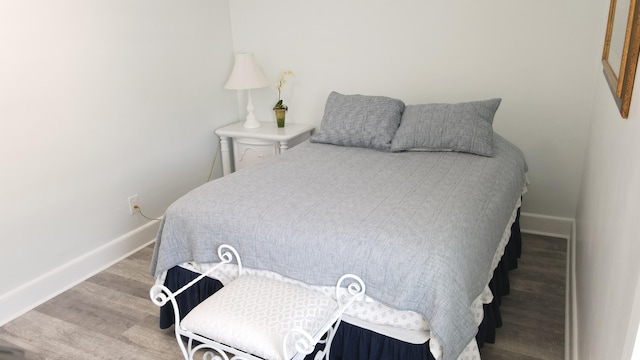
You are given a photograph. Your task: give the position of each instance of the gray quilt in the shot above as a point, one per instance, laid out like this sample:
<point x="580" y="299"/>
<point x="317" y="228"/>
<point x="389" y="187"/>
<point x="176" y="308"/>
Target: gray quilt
<point x="420" y="228"/>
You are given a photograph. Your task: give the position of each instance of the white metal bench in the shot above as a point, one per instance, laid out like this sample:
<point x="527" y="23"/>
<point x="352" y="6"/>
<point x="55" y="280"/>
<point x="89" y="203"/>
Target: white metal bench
<point x="255" y="317"/>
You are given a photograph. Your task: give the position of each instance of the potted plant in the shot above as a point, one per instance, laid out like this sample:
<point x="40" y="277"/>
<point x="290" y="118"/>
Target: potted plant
<point x="280" y="108"/>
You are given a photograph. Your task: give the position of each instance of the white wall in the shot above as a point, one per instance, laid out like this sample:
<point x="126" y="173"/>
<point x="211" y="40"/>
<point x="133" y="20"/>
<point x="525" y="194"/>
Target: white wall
<point x="100" y="100"/>
<point x="534" y="55"/>
<point x="607" y="240"/>
<point x="104" y="99"/>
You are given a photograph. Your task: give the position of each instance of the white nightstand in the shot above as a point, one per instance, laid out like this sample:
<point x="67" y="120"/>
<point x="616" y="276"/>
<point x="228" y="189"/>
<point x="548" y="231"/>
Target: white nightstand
<point x="251" y="146"/>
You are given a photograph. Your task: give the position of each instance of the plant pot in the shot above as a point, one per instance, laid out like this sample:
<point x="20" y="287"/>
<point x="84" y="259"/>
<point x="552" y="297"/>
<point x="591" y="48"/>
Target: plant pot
<point x="280" y="115"/>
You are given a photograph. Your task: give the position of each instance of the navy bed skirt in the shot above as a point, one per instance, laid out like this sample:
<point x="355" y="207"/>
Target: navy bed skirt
<point x="352" y="342"/>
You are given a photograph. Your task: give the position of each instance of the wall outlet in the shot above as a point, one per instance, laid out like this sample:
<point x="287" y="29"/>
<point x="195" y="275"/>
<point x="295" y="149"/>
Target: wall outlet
<point x="133" y="202"/>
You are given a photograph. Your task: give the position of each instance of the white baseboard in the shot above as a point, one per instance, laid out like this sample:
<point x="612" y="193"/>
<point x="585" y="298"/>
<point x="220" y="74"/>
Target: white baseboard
<point x="563" y="228"/>
<point x="572" y="318"/>
<point x="546" y="225"/>
<point x="37" y="291"/>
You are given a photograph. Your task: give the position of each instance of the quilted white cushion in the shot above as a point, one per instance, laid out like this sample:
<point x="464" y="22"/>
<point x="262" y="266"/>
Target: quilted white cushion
<point x="253" y="314"/>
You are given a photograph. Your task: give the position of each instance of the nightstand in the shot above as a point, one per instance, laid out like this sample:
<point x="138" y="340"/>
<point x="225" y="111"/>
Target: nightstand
<point x="251" y="146"/>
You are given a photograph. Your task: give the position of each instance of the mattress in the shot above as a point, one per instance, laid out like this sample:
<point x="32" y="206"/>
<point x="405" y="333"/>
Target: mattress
<point x="422" y="229"/>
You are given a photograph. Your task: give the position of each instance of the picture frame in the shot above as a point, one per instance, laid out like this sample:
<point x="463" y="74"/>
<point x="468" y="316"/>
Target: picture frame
<point x="620" y="53"/>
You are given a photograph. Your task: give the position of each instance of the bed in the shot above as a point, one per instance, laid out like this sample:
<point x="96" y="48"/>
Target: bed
<point x="430" y="189"/>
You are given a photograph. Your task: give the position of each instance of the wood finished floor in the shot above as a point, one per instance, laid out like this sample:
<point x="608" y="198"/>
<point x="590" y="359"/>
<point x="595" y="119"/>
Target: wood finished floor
<point x="110" y="316"/>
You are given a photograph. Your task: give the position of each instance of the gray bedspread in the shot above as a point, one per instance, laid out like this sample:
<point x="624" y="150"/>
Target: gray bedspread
<point x="421" y="228"/>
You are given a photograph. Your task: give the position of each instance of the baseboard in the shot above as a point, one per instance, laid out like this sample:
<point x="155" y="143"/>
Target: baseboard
<point x="37" y="291"/>
<point x="563" y="228"/>
<point x="572" y="320"/>
<point x="554" y="226"/>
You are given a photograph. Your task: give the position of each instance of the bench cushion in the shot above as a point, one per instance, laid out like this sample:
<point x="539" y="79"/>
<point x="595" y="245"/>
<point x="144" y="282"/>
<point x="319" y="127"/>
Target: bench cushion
<point x="253" y="314"/>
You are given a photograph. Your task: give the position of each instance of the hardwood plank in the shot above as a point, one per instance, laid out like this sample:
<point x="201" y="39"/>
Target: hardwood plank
<point x="533" y="313"/>
<point x="122" y="284"/>
<point x="132" y="268"/>
<point x="154" y="340"/>
<point x="501" y="354"/>
<point x="98" y="316"/>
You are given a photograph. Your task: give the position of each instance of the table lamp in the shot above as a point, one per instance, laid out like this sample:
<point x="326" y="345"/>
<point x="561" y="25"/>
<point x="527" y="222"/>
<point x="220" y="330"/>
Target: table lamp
<point x="246" y="75"/>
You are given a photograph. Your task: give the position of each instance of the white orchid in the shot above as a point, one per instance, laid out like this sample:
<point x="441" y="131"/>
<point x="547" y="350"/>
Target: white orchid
<point x="280" y="85"/>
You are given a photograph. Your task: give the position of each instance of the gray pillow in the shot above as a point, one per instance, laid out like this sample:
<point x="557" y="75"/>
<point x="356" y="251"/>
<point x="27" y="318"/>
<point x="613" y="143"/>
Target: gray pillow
<point x="465" y="127"/>
<point x="359" y="121"/>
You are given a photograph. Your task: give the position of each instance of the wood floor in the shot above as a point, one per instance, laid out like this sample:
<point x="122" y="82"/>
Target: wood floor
<point x="533" y="314"/>
<point x="110" y="316"/>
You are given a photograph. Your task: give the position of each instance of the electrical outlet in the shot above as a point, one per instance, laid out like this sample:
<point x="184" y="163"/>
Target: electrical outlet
<point x="133" y="202"/>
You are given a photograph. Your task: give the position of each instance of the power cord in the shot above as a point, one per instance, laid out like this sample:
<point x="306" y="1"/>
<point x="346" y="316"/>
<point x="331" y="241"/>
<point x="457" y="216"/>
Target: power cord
<point x="143" y="215"/>
<point x="213" y="165"/>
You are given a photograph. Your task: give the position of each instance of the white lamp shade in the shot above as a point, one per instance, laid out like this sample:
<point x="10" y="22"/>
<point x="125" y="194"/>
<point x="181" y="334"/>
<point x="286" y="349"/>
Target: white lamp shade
<point x="246" y="74"/>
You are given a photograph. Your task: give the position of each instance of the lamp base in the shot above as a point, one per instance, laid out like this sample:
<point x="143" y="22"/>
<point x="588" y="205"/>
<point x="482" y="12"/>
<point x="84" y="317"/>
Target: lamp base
<point x="251" y="123"/>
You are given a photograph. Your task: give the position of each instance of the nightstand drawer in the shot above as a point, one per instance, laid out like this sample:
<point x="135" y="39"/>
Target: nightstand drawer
<point x="247" y="151"/>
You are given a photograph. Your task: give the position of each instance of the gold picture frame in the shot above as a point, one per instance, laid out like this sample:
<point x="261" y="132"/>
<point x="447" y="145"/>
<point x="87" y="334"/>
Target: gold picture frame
<point x="620" y="54"/>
